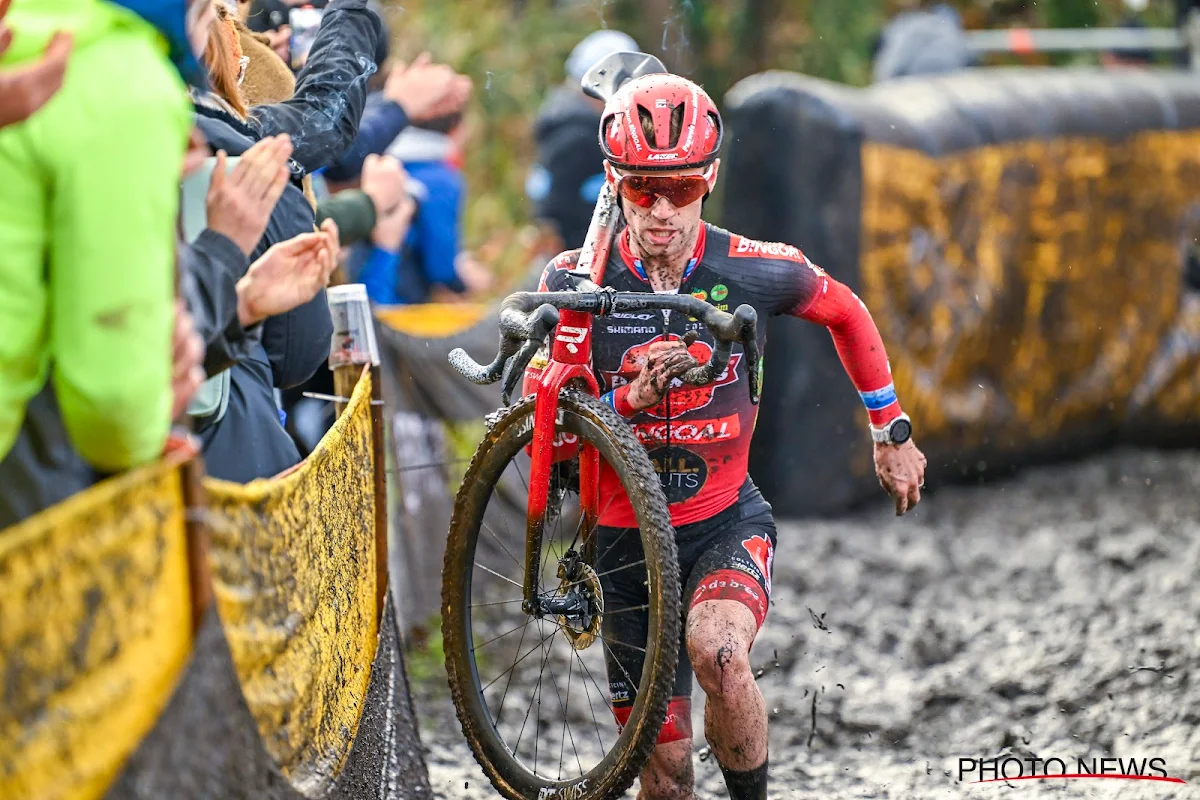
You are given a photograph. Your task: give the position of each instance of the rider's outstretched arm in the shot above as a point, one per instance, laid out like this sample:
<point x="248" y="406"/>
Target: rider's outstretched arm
<point x="828" y="302"/>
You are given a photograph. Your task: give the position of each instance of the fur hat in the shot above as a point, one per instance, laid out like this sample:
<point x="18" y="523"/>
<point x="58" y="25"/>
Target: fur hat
<point x="268" y="79"/>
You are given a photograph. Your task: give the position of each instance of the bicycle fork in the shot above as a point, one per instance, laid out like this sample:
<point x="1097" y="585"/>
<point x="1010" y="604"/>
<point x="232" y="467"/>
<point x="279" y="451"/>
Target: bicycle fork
<point x="570" y="362"/>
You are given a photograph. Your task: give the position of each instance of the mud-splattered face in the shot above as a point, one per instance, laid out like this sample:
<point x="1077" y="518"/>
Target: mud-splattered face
<point x="664" y="229"/>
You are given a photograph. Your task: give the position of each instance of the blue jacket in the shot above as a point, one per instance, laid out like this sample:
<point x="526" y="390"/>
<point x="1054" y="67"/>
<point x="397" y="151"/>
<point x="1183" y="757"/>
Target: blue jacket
<point x="427" y="256"/>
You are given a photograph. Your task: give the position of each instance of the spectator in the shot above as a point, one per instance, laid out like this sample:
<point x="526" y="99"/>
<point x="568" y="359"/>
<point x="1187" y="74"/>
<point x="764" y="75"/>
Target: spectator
<point x="95" y="356"/>
<point x="270" y="18"/>
<point x="923" y="41"/>
<point x="248" y="440"/>
<point x="227" y="299"/>
<point x="384" y="187"/>
<point x="421" y="93"/>
<point x="422" y="261"/>
<point x="26" y="89"/>
<point x="398" y="96"/>
<point x="566" y="180"/>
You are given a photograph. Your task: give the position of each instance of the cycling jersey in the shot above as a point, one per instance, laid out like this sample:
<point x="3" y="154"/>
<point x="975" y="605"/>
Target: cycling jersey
<point x="698" y="437"/>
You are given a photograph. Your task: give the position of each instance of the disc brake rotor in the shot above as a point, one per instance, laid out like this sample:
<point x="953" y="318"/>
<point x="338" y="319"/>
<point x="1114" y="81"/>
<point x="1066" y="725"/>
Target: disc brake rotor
<point x="581" y="629"/>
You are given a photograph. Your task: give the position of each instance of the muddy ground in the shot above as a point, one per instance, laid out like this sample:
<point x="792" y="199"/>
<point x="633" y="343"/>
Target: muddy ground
<point x="1056" y="614"/>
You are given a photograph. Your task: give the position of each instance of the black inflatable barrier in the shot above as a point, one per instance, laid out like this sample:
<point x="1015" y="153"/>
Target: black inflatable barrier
<point x="206" y="744"/>
<point x="1020" y="236"/>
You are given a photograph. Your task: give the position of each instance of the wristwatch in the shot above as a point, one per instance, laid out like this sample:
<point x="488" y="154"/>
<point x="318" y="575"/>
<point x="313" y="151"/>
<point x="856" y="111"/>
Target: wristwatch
<point x="898" y="431"/>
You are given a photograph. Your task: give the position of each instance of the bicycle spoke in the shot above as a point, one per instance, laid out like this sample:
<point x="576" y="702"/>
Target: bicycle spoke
<point x="621" y="644"/>
<point x="524" y="722"/>
<point x="510" y="669"/>
<point x="497" y="603"/>
<point x="626" y="610"/>
<point x="477" y="647"/>
<point x="507" y="684"/>
<point x="498" y="575"/>
<point x="624" y="671"/>
<point x="613" y="544"/>
<point x="558" y="693"/>
<point x="578" y="528"/>
<point x="600" y="691"/>
<point x="618" y="569"/>
<point x="566" y="714"/>
<point x="599" y="514"/>
<point x="536" y="694"/>
<point x="484" y="525"/>
<point x="606" y="572"/>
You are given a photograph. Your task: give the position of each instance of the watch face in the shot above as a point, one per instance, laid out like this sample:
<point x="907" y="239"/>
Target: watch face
<point x="900" y="431"/>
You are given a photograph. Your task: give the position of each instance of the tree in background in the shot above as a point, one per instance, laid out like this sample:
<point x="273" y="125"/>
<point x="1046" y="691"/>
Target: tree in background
<point x="515" y="51"/>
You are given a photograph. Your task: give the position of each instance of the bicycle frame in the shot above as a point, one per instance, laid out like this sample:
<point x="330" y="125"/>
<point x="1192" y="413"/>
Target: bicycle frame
<point x="570" y="360"/>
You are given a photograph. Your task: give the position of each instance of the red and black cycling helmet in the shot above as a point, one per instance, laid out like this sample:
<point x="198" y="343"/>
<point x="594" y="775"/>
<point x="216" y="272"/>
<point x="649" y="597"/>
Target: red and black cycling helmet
<point x="687" y="126"/>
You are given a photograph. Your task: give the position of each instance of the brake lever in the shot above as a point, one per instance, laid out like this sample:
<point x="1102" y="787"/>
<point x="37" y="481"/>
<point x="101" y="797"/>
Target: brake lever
<point x="541" y="322"/>
<point x="746" y="319"/>
<point x="753" y="359"/>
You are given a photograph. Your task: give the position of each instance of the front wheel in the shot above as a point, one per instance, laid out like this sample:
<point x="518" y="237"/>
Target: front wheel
<point x="512" y="673"/>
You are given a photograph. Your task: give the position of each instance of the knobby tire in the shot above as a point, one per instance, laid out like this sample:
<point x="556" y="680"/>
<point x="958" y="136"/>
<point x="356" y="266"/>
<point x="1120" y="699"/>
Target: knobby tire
<point x="600" y="425"/>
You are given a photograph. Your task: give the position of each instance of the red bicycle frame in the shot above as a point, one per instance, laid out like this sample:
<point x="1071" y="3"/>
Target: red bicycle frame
<point x="570" y="360"/>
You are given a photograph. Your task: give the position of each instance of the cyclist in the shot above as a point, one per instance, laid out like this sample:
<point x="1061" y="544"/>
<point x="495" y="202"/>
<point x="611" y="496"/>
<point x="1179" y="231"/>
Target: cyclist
<point x="660" y="135"/>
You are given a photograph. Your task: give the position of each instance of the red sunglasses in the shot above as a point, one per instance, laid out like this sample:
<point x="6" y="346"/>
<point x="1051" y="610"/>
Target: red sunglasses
<point x="680" y="190"/>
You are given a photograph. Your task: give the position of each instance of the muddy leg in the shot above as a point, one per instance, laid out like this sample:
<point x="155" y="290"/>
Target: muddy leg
<point x="668" y="775"/>
<point x="719" y="635"/>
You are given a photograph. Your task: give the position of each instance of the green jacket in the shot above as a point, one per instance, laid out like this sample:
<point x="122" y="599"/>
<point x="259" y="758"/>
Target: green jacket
<point x="89" y="192"/>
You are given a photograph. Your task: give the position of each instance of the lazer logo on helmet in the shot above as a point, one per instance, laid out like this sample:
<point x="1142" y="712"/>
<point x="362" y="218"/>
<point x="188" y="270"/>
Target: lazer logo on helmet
<point x="662" y="156"/>
<point x="740" y="247"/>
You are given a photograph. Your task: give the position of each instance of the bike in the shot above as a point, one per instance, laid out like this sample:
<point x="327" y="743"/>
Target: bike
<point x="565" y="571"/>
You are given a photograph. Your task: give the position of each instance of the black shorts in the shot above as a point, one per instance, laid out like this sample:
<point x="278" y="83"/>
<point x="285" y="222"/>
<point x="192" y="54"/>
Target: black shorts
<point x="725" y="557"/>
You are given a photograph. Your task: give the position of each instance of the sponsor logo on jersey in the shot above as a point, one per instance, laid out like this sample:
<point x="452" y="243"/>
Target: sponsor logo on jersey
<point x="760" y="549"/>
<point x="682" y="398"/>
<point x="700" y="294"/>
<point x="740" y="247"/>
<point x="682" y="473"/>
<point x="627" y="329"/>
<point x="701" y="431"/>
<point x="719" y="292"/>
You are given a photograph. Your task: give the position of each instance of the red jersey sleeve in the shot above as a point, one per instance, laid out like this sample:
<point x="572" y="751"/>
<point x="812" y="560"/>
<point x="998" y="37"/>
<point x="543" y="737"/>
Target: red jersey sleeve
<point x="828" y="302"/>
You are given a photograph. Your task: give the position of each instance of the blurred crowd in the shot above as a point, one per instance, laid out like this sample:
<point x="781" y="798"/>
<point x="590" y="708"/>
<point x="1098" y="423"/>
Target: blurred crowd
<point x="181" y="180"/>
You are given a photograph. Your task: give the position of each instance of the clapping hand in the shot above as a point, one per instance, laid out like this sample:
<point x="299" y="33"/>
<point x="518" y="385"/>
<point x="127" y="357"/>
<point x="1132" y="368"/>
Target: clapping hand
<point x="240" y="204"/>
<point x="24" y="90"/>
<point x="288" y="275"/>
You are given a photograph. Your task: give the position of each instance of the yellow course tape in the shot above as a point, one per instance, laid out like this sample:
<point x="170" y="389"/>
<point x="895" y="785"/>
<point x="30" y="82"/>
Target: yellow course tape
<point x="433" y="320"/>
<point x="294" y="579"/>
<point x="95" y="630"/>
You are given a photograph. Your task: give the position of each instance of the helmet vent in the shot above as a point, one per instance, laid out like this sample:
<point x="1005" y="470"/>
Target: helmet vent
<point x="673" y="134"/>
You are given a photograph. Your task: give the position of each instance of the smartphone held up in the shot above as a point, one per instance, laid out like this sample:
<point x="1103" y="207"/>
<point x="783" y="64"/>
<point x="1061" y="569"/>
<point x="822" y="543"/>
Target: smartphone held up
<point x="304" y="21"/>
